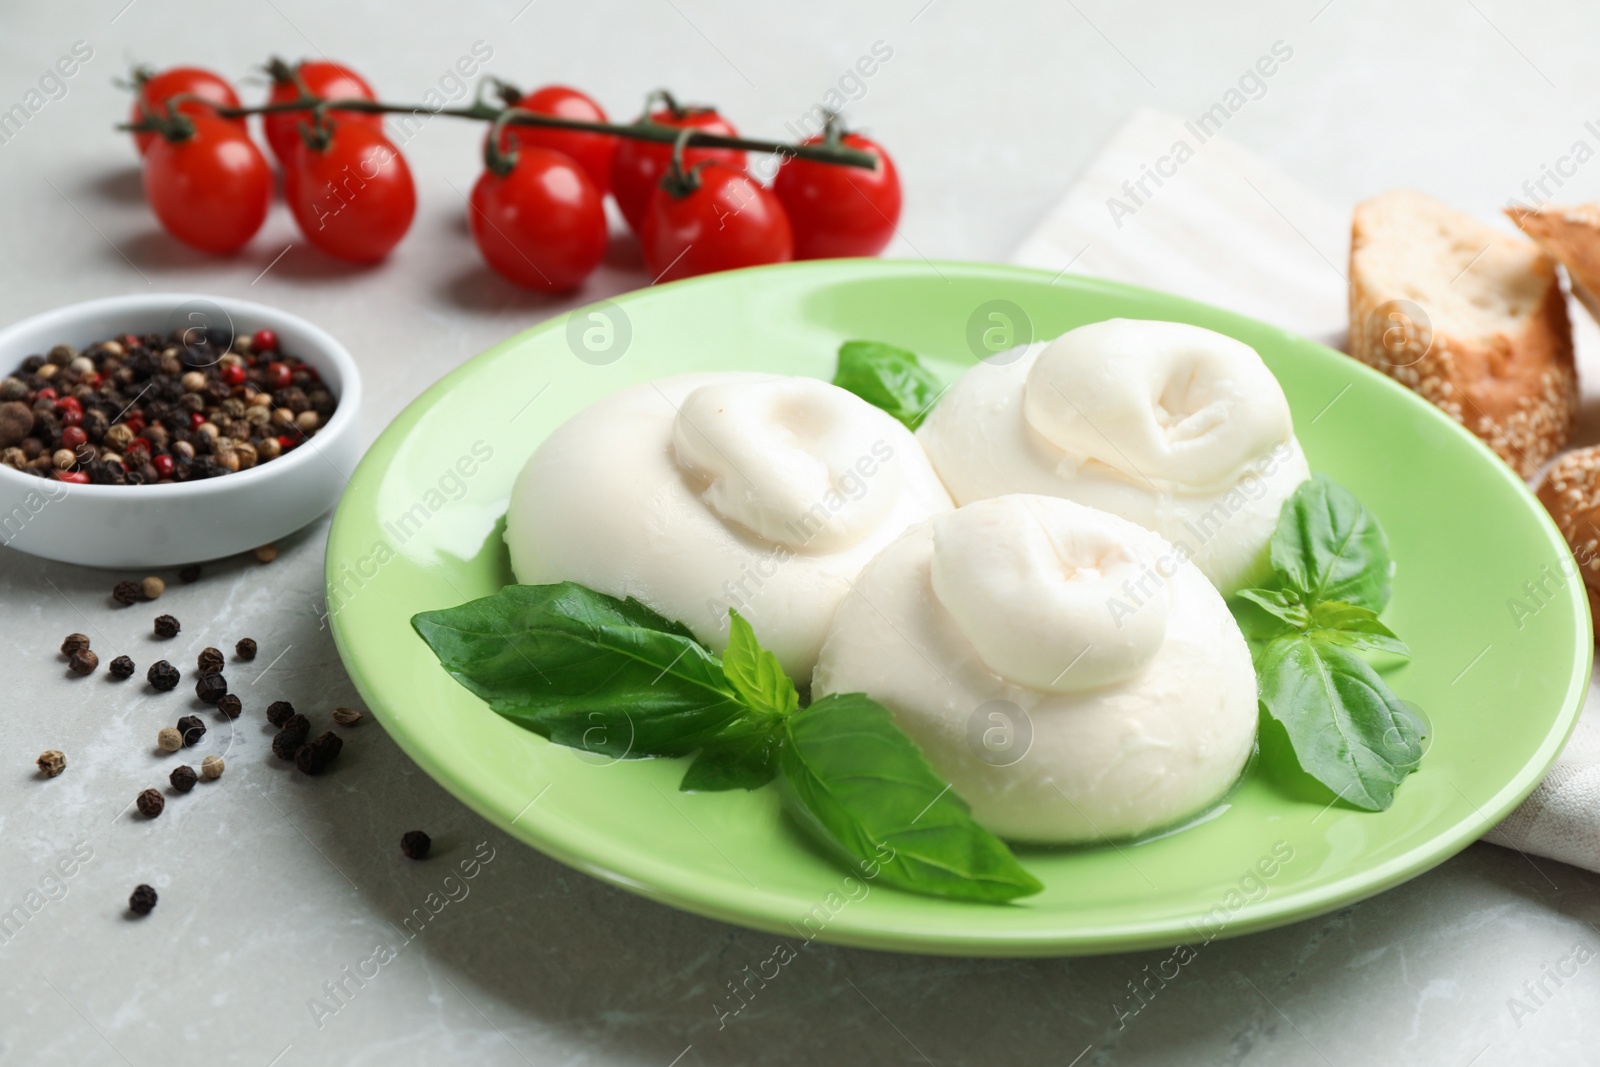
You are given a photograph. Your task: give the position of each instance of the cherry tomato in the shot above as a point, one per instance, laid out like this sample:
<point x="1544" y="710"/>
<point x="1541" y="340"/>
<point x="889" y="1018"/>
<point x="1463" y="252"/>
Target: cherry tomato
<point x="210" y="190"/>
<point x="727" y="221"/>
<point x="543" y="225"/>
<point x="840" y="211"/>
<point x="354" y="197"/>
<point x="327" y="80"/>
<point x="638" y="166"/>
<point x="159" y="88"/>
<point x="591" y="151"/>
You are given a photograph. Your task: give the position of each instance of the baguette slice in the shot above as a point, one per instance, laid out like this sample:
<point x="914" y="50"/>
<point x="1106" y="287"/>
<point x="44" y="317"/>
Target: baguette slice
<point x="1472" y="319"/>
<point x="1572" y="235"/>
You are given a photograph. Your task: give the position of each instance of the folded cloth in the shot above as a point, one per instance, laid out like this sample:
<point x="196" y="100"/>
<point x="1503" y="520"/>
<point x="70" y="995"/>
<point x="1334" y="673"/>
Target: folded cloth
<point x="1168" y="205"/>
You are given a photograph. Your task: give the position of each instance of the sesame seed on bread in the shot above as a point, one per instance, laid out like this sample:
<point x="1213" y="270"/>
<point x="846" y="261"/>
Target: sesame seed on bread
<point x="1570" y="492"/>
<point x="1469" y="317"/>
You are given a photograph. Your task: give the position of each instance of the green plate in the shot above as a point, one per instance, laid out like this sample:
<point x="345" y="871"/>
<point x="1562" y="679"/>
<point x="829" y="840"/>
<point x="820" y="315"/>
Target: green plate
<point x="419" y="528"/>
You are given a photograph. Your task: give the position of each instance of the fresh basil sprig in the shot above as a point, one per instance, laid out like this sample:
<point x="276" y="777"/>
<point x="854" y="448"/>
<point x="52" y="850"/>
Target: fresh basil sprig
<point x="744" y="755"/>
<point x="860" y="784"/>
<point x="1328" y="547"/>
<point x="611" y="676"/>
<point x="1331" y="577"/>
<point x="889" y="377"/>
<point x="1348" y="730"/>
<point x="584" y="670"/>
<point x="755" y="673"/>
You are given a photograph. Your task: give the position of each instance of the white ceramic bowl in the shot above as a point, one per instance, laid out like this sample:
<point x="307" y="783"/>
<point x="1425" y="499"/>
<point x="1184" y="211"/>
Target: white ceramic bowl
<point x="184" y="522"/>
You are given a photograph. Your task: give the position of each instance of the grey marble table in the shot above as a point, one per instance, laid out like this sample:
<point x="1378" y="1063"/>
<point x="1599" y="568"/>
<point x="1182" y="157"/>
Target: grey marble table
<point x="283" y="934"/>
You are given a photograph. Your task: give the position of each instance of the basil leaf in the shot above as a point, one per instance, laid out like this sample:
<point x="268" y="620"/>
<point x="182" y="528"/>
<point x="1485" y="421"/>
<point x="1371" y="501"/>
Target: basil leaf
<point x="1263" y="614"/>
<point x="739" y="759"/>
<point x="1282" y="605"/>
<point x="1328" y="547"/>
<point x="865" y="790"/>
<point x="1355" y="627"/>
<point x="888" y="377"/>
<point x="584" y="669"/>
<point x="1348" y="730"/>
<point x="755" y="674"/>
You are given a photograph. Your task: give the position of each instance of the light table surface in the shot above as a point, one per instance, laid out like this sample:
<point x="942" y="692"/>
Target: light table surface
<point x="276" y="889"/>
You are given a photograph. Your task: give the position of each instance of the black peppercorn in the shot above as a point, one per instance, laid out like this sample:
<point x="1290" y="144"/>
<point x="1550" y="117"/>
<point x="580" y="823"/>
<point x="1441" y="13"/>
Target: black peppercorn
<point x="95" y="424"/>
<point x="279" y="711"/>
<point x="189" y="574"/>
<point x="308" y="760"/>
<point x="121" y="667"/>
<point x="166" y="625"/>
<point x="83" y="661"/>
<point x="314" y="756"/>
<point x="210" y="661"/>
<point x="127" y="593"/>
<point x="192" y="728"/>
<point x="104" y="472"/>
<point x="142" y="900"/>
<point x="183" y="778"/>
<point x="211" y="687"/>
<point x="415" y="844"/>
<point x="245" y="649"/>
<point x="291" y="736"/>
<point x="162" y="675"/>
<point x="150" y="803"/>
<point x="230" y="706"/>
<point x="74" y="642"/>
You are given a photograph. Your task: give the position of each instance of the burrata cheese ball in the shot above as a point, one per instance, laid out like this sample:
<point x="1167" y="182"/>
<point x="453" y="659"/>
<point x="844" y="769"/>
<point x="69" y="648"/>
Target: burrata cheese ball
<point x="1001" y="639"/>
<point x="703" y="493"/>
<point x="1180" y="429"/>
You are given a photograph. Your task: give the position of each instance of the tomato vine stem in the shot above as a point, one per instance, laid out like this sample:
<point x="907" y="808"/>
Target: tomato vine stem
<point x="642" y="130"/>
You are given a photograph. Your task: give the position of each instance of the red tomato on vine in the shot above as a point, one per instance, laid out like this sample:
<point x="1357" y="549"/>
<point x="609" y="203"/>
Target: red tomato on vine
<point x="210" y="189"/>
<point x="330" y="81"/>
<point x="591" y="151"/>
<point x="542" y="224"/>
<point x="638" y="166"/>
<point x="713" y="218"/>
<point x="351" y="192"/>
<point x="154" y="90"/>
<point x="838" y="210"/>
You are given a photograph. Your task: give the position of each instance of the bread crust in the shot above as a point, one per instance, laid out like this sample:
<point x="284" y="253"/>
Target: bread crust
<point x="1516" y="390"/>
<point x="1571" y="235"/>
<point x="1570" y="492"/>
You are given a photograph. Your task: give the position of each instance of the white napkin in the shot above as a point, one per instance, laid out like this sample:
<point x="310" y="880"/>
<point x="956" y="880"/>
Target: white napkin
<point x="1163" y="207"/>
